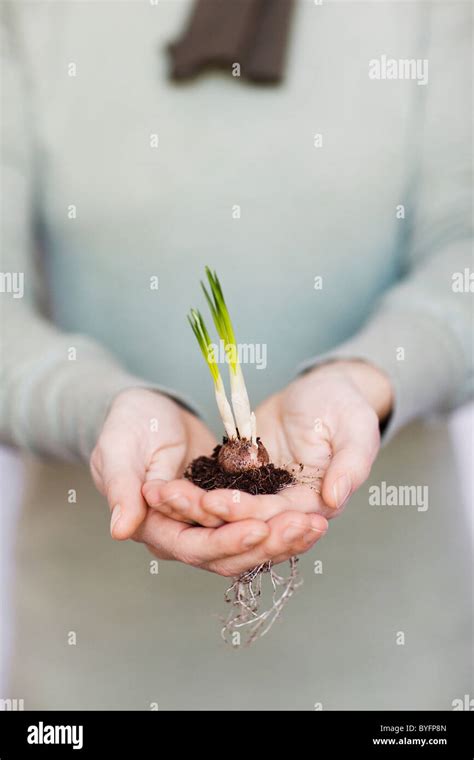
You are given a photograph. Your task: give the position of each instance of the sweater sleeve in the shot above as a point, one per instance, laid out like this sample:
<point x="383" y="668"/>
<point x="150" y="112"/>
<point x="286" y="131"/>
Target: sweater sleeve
<point x="56" y="387"/>
<point x="420" y="332"/>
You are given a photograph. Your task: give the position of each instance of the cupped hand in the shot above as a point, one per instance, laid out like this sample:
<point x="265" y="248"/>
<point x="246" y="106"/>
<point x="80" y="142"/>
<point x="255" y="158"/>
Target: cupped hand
<point x="146" y="436"/>
<point x="324" y="426"/>
<point x="145" y="444"/>
<point x="327" y="424"/>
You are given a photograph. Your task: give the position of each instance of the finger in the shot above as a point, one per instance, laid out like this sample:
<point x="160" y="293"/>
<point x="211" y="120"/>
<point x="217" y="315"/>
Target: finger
<point x="197" y="546"/>
<point x="180" y="500"/>
<point x="236" y="505"/>
<point x="354" y="450"/>
<point x="123" y="492"/>
<point x="166" y="463"/>
<point x="291" y="533"/>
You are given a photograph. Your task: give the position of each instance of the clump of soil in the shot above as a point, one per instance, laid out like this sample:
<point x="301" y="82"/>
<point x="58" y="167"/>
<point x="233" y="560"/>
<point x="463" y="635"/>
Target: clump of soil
<point x="208" y="474"/>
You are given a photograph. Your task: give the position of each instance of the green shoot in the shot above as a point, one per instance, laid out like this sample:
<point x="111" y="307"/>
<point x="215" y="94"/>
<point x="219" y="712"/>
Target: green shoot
<point x="202" y="336"/>
<point x="208" y="351"/>
<point x="221" y="317"/>
<point x="244" y="418"/>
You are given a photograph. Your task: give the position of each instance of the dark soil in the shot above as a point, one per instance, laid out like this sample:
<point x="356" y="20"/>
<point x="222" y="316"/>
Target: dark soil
<point x="206" y="473"/>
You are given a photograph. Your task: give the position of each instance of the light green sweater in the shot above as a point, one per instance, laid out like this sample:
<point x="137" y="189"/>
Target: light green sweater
<point x="362" y="182"/>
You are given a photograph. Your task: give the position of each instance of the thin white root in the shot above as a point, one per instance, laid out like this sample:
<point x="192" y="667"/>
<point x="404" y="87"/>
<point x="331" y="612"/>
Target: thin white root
<point x="245" y="593"/>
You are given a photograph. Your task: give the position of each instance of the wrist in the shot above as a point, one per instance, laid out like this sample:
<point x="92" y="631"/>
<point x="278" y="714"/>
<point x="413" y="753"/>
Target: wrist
<point x="160" y="395"/>
<point x="372" y="383"/>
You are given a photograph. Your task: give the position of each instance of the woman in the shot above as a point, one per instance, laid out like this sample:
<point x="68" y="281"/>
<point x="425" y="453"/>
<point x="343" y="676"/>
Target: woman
<point x="335" y="206"/>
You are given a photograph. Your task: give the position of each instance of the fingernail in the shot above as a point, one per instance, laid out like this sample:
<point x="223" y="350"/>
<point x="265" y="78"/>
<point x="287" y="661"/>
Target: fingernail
<point x="318" y="524"/>
<point x="311" y="535"/>
<point x="253" y="538"/>
<point x="116" y="515"/>
<point x="293" y="532"/>
<point x="180" y="502"/>
<point x="341" y="490"/>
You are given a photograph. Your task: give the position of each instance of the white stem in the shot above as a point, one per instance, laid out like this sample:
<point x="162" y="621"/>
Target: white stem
<point x="253" y="423"/>
<point x="224" y="409"/>
<point x="240" y="403"/>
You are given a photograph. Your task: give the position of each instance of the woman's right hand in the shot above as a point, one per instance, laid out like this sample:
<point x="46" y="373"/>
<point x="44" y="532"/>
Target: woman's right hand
<point x="145" y="436"/>
<point x="146" y="442"/>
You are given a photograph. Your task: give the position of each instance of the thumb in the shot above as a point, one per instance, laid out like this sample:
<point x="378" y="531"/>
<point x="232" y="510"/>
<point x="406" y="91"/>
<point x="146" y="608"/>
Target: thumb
<point x="127" y="505"/>
<point x="166" y="465"/>
<point x="355" y="447"/>
<point x="122" y="487"/>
